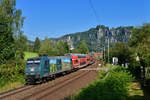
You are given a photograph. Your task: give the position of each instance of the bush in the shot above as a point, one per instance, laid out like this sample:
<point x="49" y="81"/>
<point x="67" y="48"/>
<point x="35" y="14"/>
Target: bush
<point x="147" y="76"/>
<point x="11" y="73"/>
<point x="101" y="74"/>
<point x="119" y="68"/>
<point x="135" y="68"/>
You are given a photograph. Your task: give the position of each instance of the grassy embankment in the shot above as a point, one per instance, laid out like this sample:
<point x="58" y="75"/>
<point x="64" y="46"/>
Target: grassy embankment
<point x="12" y="77"/>
<point x="115" y="84"/>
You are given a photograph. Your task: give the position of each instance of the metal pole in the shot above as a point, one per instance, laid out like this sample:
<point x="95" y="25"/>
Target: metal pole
<point x="108" y="49"/>
<point x="104" y="51"/>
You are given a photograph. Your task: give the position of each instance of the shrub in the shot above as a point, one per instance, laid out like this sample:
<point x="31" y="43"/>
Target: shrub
<point x="101" y="74"/>
<point x="11" y="73"/>
<point x="135" y="68"/>
<point x="119" y="68"/>
<point x="147" y="76"/>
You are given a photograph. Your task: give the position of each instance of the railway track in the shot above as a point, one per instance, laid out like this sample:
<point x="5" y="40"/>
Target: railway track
<point x="14" y="91"/>
<point x="51" y="89"/>
<point x="42" y="90"/>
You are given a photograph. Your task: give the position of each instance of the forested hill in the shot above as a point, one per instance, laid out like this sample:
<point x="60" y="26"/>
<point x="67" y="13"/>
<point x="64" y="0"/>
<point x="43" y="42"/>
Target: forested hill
<point x="96" y="37"/>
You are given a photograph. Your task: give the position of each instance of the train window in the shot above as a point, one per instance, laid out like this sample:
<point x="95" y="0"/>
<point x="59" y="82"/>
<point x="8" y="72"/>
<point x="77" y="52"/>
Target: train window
<point x="82" y="63"/>
<point x="29" y="62"/>
<point x="76" y="61"/>
<point x="37" y="62"/>
<point x="33" y="61"/>
<point x="58" y="61"/>
<point x="46" y="63"/>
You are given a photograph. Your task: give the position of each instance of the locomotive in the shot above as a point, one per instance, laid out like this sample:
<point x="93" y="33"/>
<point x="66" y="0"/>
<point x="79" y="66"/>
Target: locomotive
<point x="41" y="69"/>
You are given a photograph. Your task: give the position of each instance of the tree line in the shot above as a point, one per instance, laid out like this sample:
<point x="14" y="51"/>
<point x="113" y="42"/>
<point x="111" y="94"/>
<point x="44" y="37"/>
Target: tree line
<point x="58" y="48"/>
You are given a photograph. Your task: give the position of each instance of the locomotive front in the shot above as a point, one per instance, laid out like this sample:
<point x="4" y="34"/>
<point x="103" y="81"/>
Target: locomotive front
<point x="32" y="70"/>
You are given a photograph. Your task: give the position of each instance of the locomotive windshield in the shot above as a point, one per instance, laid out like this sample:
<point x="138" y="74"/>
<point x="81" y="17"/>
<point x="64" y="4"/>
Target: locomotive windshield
<point x="33" y="61"/>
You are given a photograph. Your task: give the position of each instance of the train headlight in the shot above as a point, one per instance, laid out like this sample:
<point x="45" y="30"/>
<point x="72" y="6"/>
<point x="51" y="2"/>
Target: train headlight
<point x="32" y="69"/>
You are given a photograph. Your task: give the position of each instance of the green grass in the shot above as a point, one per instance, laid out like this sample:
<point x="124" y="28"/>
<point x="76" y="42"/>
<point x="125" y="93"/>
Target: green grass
<point x="137" y="93"/>
<point x="10" y="86"/>
<point x="135" y="89"/>
<point x="108" y="65"/>
<point x="30" y="55"/>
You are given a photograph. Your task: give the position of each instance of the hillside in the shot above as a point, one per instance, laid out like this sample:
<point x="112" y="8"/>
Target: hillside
<point x="96" y="38"/>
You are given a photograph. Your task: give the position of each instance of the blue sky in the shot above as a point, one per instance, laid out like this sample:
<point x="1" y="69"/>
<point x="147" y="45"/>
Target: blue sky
<point x="54" y="18"/>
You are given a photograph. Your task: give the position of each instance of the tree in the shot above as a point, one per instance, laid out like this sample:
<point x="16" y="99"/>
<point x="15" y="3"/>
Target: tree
<point x="75" y="51"/>
<point x="11" y="23"/>
<point x="60" y="48"/>
<point x="21" y="46"/>
<point x="45" y="47"/>
<point x="140" y="42"/>
<point x="82" y="47"/>
<point x="21" y="43"/>
<point x="55" y="51"/>
<point x="122" y="52"/>
<point x="36" y="44"/>
<point x="66" y="47"/>
<point x="6" y="40"/>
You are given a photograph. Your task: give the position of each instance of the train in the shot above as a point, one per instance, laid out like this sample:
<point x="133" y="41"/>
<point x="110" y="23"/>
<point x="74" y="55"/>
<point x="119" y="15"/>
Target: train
<point x="44" y="68"/>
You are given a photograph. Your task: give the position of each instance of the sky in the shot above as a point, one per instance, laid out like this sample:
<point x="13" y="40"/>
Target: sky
<point x="55" y="18"/>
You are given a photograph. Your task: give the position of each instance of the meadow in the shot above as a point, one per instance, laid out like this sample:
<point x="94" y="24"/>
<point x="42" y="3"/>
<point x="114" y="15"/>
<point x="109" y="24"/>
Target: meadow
<point x="29" y="55"/>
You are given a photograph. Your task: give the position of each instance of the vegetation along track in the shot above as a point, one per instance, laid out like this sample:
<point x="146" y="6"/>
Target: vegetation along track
<point x="27" y="92"/>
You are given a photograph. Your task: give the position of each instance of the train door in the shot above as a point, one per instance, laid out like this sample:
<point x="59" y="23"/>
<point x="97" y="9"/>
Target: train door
<point x="59" y="64"/>
<point x="76" y="62"/>
<point x="46" y="67"/>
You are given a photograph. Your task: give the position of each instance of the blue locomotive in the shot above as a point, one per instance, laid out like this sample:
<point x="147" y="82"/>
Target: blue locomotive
<point x="39" y="69"/>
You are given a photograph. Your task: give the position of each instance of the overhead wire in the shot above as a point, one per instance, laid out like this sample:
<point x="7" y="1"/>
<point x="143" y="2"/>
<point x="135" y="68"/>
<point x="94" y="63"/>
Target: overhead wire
<point x="95" y="13"/>
<point x="97" y="18"/>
